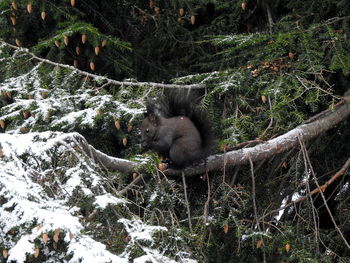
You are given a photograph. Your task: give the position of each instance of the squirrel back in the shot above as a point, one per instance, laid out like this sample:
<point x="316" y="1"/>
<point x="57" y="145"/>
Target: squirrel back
<point x="177" y="128"/>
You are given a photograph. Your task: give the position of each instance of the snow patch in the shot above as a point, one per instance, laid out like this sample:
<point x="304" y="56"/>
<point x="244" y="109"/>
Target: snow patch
<point x="103" y="201"/>
<point x="138" y="230"/>
<point x="87" y="250"/>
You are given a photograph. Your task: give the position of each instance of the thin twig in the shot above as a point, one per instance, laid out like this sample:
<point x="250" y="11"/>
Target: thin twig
<point x="235" y="173"/>
<point x="322" y="113"/>
<point x="316" y="190"/>
<point x="254" y="202"/>
<point x="206" y="205"/>
<point x="269" y="16"/>
<point x="313" y="208"/>
<point x="224" y="167"/>
<point x="187" y="203"/>
<point x="253" y="192"/>
<point x="325" y="201"/>
<point x="129" y="186"/>
<point x="303" y="82"/>
<point x="271" y="120"/>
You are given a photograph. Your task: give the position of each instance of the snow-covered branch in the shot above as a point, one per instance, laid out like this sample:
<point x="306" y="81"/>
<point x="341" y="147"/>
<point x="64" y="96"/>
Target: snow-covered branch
<point x="44" y="177"/>
<point x="108" y="81"/>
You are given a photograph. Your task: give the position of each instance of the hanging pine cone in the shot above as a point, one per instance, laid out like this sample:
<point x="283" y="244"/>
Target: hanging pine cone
<point x="14" y="6"/>
<point x="43" y="15"/>
<point x="117" y="124"/>
<point x="29" y="7"/>
<point x="36" y="252"/>
<point x="125" y="141"/>
<point x="157" y="10"/>
<point x="182" y="11"/>
<point x="193" y="19"/>
<point x="18" y="42"/>
<point x="2" y="124"/>
<point x="92" y="66"/>
<point x="65" y="40"/>
<point x="97" y="50"/>
<point x="13" y="20"/>
<point x="83" y="38"/>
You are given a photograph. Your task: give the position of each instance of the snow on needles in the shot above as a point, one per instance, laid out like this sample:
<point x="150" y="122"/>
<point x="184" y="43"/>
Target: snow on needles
<point x="52" y="192"/>
<point x="103" y="200"/>
<point x="58" y="107"/>
<point x="29" y="208"/>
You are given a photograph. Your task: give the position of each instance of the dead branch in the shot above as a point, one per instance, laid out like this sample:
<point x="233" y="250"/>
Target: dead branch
<point x="303" y="147"/>
<point x="330" y="181"/>
<point x="316" y="190"/>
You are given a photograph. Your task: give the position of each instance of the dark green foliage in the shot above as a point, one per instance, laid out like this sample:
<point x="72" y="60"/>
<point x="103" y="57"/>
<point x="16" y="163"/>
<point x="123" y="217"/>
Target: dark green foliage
<point x="267" y="68"/>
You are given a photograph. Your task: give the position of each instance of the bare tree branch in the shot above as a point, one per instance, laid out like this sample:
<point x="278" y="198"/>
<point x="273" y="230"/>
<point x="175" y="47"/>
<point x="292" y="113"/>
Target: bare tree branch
<point x="272" y="147"/>
<point x="262" y="151"/>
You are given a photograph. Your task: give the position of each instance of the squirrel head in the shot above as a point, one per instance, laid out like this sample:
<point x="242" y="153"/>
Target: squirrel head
<point x="149" y="130"/>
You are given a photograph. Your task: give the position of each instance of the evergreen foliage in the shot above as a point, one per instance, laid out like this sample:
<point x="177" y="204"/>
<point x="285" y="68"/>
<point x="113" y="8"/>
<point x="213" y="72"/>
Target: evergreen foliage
<point x="267" y="66"/>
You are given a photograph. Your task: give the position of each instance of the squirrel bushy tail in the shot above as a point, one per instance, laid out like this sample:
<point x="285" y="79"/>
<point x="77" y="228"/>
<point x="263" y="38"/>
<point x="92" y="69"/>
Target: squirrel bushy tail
<point x="177" y="102"/>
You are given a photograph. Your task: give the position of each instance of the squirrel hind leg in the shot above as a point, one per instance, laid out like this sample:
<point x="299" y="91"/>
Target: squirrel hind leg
<point x="181" y="157"/>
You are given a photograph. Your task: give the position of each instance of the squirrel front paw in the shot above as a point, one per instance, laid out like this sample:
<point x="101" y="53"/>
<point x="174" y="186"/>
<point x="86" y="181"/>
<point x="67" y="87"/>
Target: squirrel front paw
<point x="162" y="166"/>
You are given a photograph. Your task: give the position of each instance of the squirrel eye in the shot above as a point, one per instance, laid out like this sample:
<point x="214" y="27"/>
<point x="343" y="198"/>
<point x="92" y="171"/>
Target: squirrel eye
<point x="147" y="130"/>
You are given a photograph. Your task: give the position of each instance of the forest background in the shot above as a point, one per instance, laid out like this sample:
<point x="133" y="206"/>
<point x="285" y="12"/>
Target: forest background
<point x="273" y="77"/>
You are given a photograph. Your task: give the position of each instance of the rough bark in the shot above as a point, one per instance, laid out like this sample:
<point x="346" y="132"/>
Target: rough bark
<point x="262" y="151"/>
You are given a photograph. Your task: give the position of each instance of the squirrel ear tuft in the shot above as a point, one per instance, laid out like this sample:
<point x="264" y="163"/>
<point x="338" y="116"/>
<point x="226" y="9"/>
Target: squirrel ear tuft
<point x="154" y="119"/>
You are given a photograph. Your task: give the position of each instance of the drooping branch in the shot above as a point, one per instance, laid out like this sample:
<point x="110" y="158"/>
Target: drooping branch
<point x="314" y="191"/>
<point x="262" y="151"/>
<point x="108" y="81"/>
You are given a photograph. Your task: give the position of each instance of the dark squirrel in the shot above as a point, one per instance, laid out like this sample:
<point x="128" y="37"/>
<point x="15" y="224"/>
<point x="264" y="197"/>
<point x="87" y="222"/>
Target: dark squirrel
<point x="177" y="128"/>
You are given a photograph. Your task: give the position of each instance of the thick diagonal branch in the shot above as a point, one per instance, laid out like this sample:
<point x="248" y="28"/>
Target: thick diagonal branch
<point x="272" y="147"/>
<point x="262" y="151"/>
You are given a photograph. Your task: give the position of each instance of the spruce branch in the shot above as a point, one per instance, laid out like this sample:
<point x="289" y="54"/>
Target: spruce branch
<point x="108" y="81"/>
